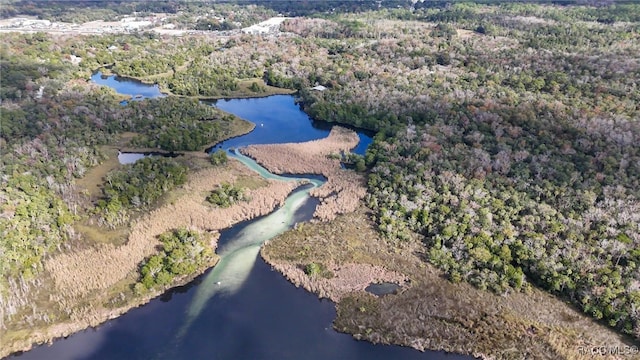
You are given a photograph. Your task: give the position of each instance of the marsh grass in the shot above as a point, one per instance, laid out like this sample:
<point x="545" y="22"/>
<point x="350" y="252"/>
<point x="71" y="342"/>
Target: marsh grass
<point x="250" y="182"/>
<point x="430" y="312"/>
<point x="92" y="235"/>
<point x="81" y="271"/>
<point x="343" y="189"/>
<point x="93" y="179"/>
<point x="92" y="281"/>
<point x="91" y="183"/>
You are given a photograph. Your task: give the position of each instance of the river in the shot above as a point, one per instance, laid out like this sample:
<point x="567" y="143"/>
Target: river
<point x="240" y="309"/>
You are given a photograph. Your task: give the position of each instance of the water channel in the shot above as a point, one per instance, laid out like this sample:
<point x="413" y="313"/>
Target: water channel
<point x="240" y="309"/>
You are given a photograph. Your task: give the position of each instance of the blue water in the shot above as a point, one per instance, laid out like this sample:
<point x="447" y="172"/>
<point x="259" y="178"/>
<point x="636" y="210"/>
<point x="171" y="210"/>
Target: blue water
<point x="131" y="87"/>
<point x="279" y="119"/>
<point x="130" y="158"/>
<point x="266" y="318"/>
<point x="269" y="318"/>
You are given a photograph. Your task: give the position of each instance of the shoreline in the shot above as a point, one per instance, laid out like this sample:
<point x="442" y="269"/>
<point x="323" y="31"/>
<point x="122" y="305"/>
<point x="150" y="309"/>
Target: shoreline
<point x="428" y="312"/>
<point x="65" y="329"/>
<point x="350" y="272"/>
<point x="343" y="189"/>
<point x="204" y="150"/>
<point x="74" y="273"/>
<point x="269" y="90"/>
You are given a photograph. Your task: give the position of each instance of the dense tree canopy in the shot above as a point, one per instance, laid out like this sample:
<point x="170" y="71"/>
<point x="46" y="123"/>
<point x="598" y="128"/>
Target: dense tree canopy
<point x="183" y="252"/>
<point x="501" y="212"/>
<point x="175" y="124"/>
<point x="137" y="186"/>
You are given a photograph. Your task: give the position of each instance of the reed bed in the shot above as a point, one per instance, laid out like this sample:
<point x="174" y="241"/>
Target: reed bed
<point x="80" y="272"/>
<point x="343" y="190"/>
<point x="345" y="278"/>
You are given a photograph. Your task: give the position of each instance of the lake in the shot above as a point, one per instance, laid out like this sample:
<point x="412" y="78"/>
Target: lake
<point x="240" y="309"/>
<point x="125" y="86"/>
<point x="279" y="119"/>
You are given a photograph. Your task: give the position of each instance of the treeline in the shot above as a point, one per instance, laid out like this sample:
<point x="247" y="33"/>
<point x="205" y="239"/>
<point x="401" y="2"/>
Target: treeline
<point x="35" y="222"/>
<point x="236" y="11"/>
<point x="518" y="195"/>
<point x="176" y="124"/>
<point x="140" y="59"/>
<point x="183" y="14"/>
<point x="59" y="10"/>
<point x="49" y="138"/>
<point x="213" y="25"/>
<point x="138" y="55"/>
<point x="201" y="80"/>
<point x="221" y="15"/>
<point x="353" y="114"/>
<point x="137" y="186"/>
<point x="312" y="7"/>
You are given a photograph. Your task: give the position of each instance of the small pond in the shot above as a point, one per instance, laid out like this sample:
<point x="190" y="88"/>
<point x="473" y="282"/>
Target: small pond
<point x="382" y="289"/>
<point x="131" y="157"/>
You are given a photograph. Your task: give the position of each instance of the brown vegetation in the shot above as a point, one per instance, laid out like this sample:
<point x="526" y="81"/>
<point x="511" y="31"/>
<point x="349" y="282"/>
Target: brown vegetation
<point x="91" y="283"/>
<point x="393" y="67"/>
<point x="81" y="272"/>
<point x="343" y="189"/>
<point x="343" y="279"/>
<point x="431" y="312"/>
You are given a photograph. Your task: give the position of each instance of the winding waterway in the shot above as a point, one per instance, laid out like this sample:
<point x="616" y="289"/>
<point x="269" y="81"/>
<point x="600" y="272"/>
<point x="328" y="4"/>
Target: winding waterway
<point x="240" y="309"/>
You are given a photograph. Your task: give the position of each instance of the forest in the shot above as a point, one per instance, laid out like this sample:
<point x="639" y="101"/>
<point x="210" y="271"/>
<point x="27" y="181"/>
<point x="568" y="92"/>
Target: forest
<point x="503" y="212"/>
<point x="518" y="168"/>
<point x="137" y="186"/>
<point x="506" y="134"/>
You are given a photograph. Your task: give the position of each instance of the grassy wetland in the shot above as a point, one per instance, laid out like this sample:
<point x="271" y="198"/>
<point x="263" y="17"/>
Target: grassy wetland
<point x="343" y="190"/>
<point x="92" y="278"/>
<point x="501" y="189"/>
<point x="428" y="311"/>
<point x="88" y="262"/>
